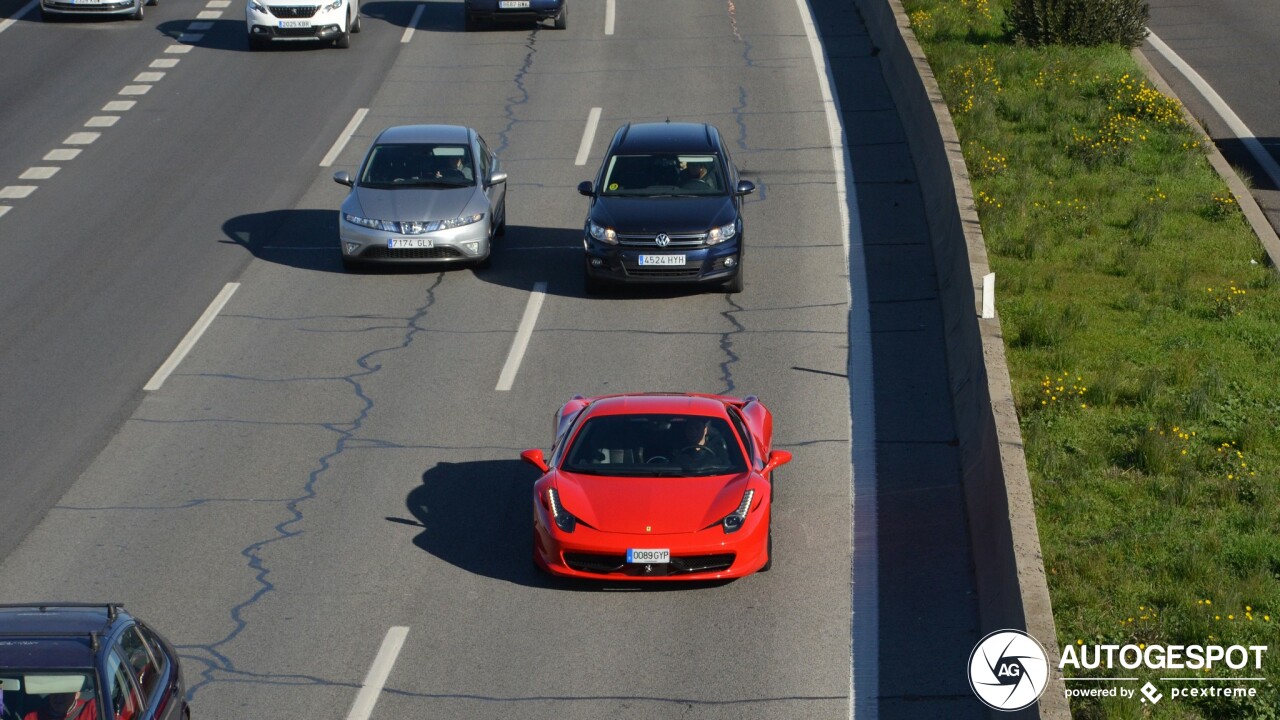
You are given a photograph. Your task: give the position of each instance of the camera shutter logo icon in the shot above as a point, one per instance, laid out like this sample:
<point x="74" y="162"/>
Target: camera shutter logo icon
<point x="1008" y="670"/>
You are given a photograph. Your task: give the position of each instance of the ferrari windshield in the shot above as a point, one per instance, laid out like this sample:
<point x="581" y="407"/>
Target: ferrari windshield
<point x="663" y="175"/>
<point x="655" y="446"/>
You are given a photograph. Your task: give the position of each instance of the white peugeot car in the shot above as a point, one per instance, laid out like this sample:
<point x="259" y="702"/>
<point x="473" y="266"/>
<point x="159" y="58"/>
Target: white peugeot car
<point x="301" y="21"/>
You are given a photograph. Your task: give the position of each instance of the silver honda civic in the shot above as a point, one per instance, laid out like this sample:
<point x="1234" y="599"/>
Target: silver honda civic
<point x="424" y="193"/>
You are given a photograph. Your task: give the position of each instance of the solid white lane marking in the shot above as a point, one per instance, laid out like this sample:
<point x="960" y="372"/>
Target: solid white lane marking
<point x="178" y="49"/>
<point x="521" y="343"/>
<point x="209" y="14"/>
<point x="413" y="23"/>
<point x="864" y="640"/>
<point x="39" y="173"/>
<point x="61" y="154"/>
<point x="102" y="121"/>
<point x="200" y="26"/>
<point x="588" y="135"/>
<point x="362" y="708"/>
<point x="16" y="192"/>
<point x="342" y="140"/>
<point x="149" y="77"/>
<point x="81" y="138"/>
<point x="608" y="17"/>
<point x="187" y="37"/>
<point x="4" y="25"/>
<point x="119" y="105"/>
<point x="163" y="62"/>
<point x="193" y="335"/>
<point x="4" y="209"/>
<point x="134" y="90"/>
<point x="1237" y="126"/>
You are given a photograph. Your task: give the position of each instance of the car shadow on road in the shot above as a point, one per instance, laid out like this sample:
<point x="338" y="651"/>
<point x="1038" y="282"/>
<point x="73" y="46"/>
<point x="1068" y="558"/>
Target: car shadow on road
<point x="478" y="516"/>
<point x="437" y="17"/>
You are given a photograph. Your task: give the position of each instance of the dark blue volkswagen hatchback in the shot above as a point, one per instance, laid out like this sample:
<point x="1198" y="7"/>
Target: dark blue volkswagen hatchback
<point x="86" y="662"/>
<point x="666" y="207"/>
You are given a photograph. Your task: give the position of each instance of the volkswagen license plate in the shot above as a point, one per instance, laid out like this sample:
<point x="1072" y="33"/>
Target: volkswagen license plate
<point x="649" y="557"/>
<point x="662" y="260"/>
<point x="513" y="4"/>
<point x="295" y="23"/>
<point x="408" y="243"/>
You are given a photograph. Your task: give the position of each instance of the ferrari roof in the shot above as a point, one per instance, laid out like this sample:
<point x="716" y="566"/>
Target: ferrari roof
<point x="675" y="404"/>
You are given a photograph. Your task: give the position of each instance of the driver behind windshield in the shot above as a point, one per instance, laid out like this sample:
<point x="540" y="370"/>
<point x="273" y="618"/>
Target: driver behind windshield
<point x="65" y="706"/>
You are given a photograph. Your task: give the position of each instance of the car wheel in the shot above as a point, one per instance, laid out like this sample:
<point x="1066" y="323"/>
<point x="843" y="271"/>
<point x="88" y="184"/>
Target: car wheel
<point x="344" y="38"/>
<point x="355" y="23"/>
<point x="138" y="12"/>
<point x="152" y="3"/>
<point x="562" y="20"/>
<point x="736" y="283"/>
<point x="502" y="226"/>
<point x="470" y="23"/>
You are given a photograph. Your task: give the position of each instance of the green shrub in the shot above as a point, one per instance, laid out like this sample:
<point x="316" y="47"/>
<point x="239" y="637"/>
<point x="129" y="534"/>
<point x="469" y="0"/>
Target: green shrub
<point x="1078" y="22"/>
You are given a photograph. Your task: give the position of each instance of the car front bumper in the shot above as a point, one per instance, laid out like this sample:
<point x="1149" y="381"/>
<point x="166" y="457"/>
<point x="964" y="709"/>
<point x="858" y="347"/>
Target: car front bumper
<point x="469" y="243"/>
<point x="703" y="264"/>
<point x="709" y="554"/>
<point x="318" y="28"/>
<point x="537" y="10"/>
<point x="66" y="7"/>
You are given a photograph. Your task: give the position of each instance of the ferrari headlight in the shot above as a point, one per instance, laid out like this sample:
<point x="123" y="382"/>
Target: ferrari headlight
<point x="382" y="225"/>
<point x="460" y="221"/>
<point x="563" y="518"/>
<point x="332" y="6"/>
<point x="733" y="521"/>
<point x="603" y="234"/>
<point x="722" y="233"/>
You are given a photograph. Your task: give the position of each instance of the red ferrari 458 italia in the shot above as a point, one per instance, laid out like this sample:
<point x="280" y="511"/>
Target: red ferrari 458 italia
<point x="656" y="486"/>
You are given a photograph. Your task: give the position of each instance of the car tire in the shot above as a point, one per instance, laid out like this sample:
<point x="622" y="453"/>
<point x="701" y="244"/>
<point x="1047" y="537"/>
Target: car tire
<point x="153" y="3"/>
<point x="355" y="23"/>
<point x="768" y="549"/>
<point x="350" y="265"/>
<point x="502" y="226"/>
<point x="562" y="20"/>
<point x="46" y="16"/>
<point x="736" y="283"/>
<point x="470" y="23"/>
<point x="344" y="38"/>
<point x="139" y="12"/>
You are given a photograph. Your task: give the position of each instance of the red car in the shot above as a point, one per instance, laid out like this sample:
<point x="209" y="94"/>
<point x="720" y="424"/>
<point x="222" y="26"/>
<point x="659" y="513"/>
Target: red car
<point x="656" y="486"/>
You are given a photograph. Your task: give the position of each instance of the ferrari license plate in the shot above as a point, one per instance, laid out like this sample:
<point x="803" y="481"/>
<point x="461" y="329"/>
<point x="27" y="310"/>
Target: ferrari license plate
<point x="650" y="557"/>
<point x="513" y="4"/>
<point x="295" y="23"/>
<point x="662" y="260"/>
<point x="408" y="243"/>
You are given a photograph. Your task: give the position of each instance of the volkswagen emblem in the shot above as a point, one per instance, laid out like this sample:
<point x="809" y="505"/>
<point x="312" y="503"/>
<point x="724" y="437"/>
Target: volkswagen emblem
<point x="663" y="240"/>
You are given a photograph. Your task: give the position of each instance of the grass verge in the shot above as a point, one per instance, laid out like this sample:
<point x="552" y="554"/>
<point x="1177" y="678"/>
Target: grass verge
<point x="1143" y="341"/>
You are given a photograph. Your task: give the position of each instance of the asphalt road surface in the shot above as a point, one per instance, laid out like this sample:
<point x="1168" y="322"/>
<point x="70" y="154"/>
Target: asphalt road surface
<point x="334" y="465"/>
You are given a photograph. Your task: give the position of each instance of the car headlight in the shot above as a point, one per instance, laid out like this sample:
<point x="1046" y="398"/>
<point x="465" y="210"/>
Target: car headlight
<point x="332" y="6"/>
<point x="460" y="221"/>
<point x="733" y="521"/>
<point x="563" y="518"/>
<point x="382" y="225"/>
<point x="257" y="6"/>
<point x="722" y="233"/>
<point x="603" y="234"/>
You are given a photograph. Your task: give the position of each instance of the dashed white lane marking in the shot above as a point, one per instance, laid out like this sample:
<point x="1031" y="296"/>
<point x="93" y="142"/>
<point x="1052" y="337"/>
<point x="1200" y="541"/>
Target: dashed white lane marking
<point x="16" y="192"/>
<point x="413" y="24"/>
<point x="608" y="17"/>
<point x="4" y="209"/>
<point x="216" y="4"/>
<point x="588" y="134"/>
<point x="102" y="121"/>
<point x="362" y="708"/>
<point x="1241" y="131"/>
<point x="521" y="343"/>
<point x="134" y="90"/>
<point x="39" y="173"/>
<point x="119" y="105"/>
<point x="342" y="140"/>
<point x="4" y="25"/>
<point x="187" y="37"/>
<point x="193" y="335"/>
<point x="178" y="49"/>
<point x="61" y="154"/>
<point x="149" y="77"/>
<point x="163" y="63"/>
<point x="209" y="14"/>
<point x="81" y="138"/>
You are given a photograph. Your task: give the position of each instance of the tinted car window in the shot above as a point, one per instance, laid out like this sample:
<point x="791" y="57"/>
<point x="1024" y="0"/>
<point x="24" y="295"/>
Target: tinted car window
<point x="124" y="701"/>
<point x="652" y="445"/>
<point x="417" y="164"/>
<point x="141" y="659"/>
<point x="663" y="174"/>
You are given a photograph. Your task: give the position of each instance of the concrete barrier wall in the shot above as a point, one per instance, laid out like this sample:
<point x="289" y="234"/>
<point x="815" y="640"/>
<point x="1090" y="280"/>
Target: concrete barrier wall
<point x="1009" y="569"/>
